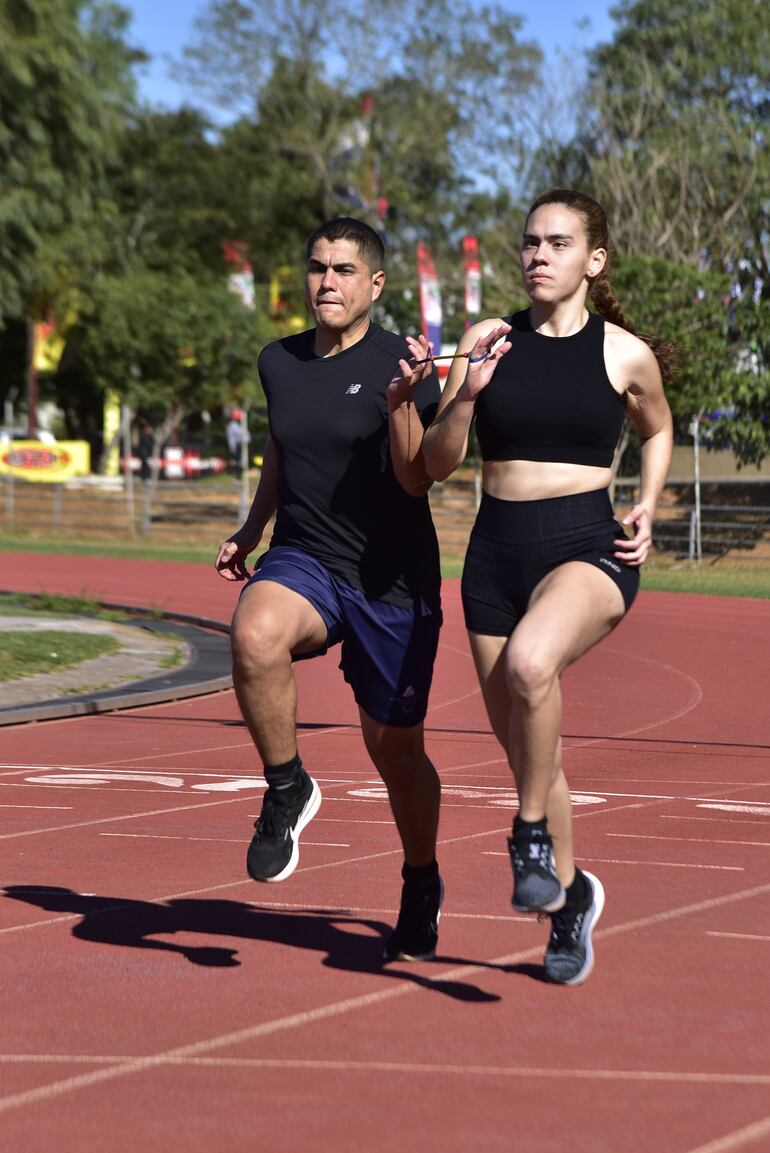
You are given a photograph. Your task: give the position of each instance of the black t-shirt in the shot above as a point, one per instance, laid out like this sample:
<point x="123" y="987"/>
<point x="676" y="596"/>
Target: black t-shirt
<point x="338" y="497"/>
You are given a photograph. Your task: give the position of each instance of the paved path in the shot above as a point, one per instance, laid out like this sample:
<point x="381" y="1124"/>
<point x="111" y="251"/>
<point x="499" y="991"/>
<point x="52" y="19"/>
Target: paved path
<point x="142" y="653"/>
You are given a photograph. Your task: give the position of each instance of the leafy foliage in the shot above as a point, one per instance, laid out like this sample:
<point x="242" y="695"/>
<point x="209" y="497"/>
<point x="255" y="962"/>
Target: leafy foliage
<point x="64" y="82"/>
<point x="673" y="142"/>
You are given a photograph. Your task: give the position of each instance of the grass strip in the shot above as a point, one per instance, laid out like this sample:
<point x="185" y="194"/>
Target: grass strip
<point x="22" y="654"/>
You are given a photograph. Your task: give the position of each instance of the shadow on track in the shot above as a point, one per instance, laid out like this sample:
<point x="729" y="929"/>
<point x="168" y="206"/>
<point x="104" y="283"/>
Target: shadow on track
<point x="139" y="924"/>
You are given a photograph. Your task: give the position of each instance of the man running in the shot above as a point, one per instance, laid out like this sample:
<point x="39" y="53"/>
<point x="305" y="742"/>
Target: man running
<point x="353" y="559"/>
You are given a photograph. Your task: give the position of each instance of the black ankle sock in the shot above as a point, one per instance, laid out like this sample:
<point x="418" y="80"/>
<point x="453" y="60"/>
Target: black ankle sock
<point x="420" y="874"/>
<point x="522" y="826"/>
<point x="579" y="892"/>
<point x="284" y="776"/>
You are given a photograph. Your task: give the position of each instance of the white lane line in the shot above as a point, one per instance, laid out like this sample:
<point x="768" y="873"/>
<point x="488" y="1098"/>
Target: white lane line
<point x="37" y="806"/>
<point x="737" y="936"/>
<point x="353" y="910"/>
<point x="759" y="808"/>
<point x="57" y="1089"/>
<point x="662" y="864"/>
<point x="738" y="1139"/>
<point x="689" y="840"/>
<point x="575" y="776"/>
<point x="43" y="924"/>
<point x="403" y="1067"/>
<point x="221" y="840"/>
<point x="721" y="820"/>
<point x="639" y="864"/>
<point x="352" y="821"/>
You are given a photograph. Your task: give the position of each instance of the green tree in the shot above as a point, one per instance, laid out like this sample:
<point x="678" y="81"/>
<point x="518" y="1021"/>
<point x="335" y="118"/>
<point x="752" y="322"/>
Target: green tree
<point x="65" y="80"/>
<point x="673" y="142"/>
<point x="170" y="345"/>
<point x="168" y="196"/>
<point x="391" y="112"/>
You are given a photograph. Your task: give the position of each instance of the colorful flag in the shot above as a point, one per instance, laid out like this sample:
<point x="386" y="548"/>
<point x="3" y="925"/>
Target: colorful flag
<point x="430" y="296"/>
<point x="472" y="278"/>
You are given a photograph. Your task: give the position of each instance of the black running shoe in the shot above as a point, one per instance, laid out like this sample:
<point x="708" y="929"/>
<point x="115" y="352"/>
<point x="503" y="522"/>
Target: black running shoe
<point x="416" y="933"/>
<point x="569" y="957"/>
<point x="274" y="850"/>
<point x="536" y="886"/>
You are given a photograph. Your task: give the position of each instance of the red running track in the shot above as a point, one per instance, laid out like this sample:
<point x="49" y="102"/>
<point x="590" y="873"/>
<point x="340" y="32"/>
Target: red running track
<point x="155" y="998"/>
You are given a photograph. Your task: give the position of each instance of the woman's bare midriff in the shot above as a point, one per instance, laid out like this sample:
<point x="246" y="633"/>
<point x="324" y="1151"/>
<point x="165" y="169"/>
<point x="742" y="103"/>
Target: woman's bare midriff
<point x="540" y="480"/>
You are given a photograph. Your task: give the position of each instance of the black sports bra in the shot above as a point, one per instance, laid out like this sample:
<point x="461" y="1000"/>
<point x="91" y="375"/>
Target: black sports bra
<point x="551" y="399"/>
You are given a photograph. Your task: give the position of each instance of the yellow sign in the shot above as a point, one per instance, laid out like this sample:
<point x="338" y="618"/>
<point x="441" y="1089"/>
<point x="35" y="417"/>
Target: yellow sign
<point x="33" y="460"/>
<point x="112" y="432"/>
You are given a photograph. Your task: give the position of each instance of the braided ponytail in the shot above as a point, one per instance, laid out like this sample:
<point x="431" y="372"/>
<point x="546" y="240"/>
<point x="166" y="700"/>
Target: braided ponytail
<point x="600" y="291"/>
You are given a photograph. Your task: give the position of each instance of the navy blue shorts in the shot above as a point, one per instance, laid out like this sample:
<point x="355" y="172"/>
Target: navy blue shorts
<point x="388" y="651"/>
<point x="515" y="543"/>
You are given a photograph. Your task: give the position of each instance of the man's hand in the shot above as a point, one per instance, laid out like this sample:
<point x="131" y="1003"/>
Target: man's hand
<point x="231" y="560"/>
<point x="402" y="386"/>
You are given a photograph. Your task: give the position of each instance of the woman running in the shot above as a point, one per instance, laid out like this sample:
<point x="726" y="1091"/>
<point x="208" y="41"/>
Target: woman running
<point x="549" y="571"/>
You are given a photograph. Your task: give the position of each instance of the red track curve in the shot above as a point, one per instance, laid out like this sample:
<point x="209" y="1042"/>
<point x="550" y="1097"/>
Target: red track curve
<point x="156" y="998"/>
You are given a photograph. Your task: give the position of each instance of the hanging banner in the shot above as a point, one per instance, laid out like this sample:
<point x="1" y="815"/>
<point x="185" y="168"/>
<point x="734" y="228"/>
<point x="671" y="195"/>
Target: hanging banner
<point x="430" y="296"/>
<point x="472" y="279"/>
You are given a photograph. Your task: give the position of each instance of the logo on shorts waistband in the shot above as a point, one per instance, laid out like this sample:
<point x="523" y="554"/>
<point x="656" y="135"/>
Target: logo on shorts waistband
<point x="352" y="389"/>
<point x="610" y="564"/>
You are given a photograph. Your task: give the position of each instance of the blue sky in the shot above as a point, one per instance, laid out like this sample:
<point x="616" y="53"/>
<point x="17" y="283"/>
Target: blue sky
<point x="163" y="27"/>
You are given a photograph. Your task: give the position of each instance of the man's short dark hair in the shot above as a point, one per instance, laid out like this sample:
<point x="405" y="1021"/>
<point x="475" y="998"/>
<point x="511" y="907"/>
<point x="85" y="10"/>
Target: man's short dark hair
<point x="368" y="242"/>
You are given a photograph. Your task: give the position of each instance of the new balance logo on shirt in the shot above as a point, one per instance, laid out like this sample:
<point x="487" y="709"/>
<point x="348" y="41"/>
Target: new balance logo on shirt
<point x="352" y="389"/>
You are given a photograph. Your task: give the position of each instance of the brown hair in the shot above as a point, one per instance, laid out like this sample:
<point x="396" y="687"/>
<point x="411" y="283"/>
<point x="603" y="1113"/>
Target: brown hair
<point x="600" y="290"/>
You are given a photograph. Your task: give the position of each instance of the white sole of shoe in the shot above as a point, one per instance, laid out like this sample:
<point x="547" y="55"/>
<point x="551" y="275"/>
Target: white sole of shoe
<point x="590" y="924"/>
<point x="312" y="806"/>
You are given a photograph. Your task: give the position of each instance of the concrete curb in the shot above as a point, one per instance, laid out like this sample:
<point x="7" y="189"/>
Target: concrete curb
<point x="206" y="672"/>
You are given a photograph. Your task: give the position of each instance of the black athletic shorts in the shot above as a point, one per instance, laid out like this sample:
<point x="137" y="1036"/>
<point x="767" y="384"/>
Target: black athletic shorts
<point x="515" y="543"/>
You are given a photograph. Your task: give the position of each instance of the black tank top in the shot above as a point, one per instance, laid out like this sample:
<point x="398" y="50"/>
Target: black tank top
<point x="551" y="399"/>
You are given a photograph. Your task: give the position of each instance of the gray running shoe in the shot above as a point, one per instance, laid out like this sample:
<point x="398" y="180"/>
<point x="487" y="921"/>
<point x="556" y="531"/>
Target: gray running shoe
<point x="274" y="850"/>
<point x="569" y="957"/>
<point x="536" y="885"/>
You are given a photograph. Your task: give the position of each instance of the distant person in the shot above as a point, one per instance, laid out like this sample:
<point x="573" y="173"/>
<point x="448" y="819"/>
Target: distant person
<point x="235" y="436"/>
<point x="144" y="450"/>
<point x="549" y="571"/>
<point x="353" y="559"/>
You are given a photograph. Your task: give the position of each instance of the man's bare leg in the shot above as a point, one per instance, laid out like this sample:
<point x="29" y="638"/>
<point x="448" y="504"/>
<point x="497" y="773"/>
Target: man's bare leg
<point x="414" y="791"/>
<point x="270" y="624"/>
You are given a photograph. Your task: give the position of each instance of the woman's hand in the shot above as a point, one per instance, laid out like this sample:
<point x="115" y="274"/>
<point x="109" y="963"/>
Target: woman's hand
<point x="482" y="361"/>
<point x="634" y="550"/>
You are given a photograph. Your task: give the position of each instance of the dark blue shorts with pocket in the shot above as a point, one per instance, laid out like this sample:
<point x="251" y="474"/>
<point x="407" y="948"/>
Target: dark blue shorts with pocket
<point x="388" y="651"/>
